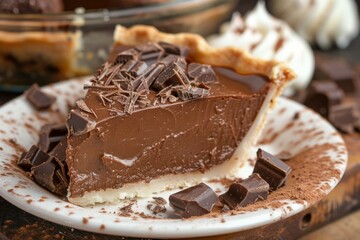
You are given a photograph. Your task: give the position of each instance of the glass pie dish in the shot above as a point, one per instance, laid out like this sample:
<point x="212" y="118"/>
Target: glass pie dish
<point x="46" y="48"/>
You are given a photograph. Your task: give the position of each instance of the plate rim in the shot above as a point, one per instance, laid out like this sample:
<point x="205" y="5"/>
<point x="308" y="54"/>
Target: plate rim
<point x="93" y="225"/>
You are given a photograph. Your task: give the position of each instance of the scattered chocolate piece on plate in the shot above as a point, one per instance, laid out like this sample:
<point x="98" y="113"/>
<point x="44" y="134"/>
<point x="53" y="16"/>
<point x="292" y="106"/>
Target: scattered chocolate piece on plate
<point x="31" y="158"/>
<point x="271" y="169"/>
<point x="39" y="99"/>
<point x="50" y="135"/>
<point x="49" y="175"/>
<point x="194" y="201"/>
<point x="248" y="191"/>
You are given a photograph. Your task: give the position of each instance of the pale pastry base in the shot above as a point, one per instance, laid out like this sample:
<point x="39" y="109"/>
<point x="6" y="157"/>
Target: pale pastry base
<point x="227" y="169"/>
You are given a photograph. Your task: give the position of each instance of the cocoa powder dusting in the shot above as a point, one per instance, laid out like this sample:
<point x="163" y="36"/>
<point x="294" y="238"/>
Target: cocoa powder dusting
<point x="303" y="182"/>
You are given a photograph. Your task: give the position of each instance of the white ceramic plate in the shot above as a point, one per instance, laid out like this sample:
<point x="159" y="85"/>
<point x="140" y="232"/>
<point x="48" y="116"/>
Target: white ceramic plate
<point x="291" y="127"/>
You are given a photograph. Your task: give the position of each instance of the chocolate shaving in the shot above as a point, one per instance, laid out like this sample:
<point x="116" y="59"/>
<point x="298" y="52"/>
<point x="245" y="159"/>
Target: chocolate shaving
<point x="138" y="71"/>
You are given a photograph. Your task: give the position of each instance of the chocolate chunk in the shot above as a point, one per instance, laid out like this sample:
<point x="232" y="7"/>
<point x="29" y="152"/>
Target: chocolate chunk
<point x="194" y="201"/>
<point x="151" y="51"/>
<point x="31" y="6"/>
<point x="127" y="55"/>
<point x="192" y="93"/>
<point x="337" y="70"/>
<point x="38" y="98"/>
<point x="50" y="135"/>
<point x="173" y="49"/>
<point x="33" y="157"/>
<point x="202" y="73"/>
<point x="137" y="69"/>
<point x="144" y="82"/>
<point x="59" y="151"/>
<point x="322" y="96"/>
<point x="271" y="169"/>
<point x="170" y="62"/>
<point x="78" y="123"/>
<point x="345" y="117"/>
<point x="248" y="191"/>
<point x="49" y="176"/>
<point x="125" y="69"/>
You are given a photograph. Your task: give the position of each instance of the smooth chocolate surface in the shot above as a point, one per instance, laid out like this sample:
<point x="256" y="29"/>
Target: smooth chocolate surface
<point x="248" y="191"/>
<point x="143" y="134"/>
<point x="271" y="169"/>
<point x="194" y="201"/>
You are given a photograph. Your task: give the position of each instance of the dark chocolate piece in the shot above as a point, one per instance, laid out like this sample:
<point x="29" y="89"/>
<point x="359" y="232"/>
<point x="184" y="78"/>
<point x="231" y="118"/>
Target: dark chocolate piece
<point x="202" y="73"/>
<point x="49" y="175"/>
<point x="194" y="201"/>
<point x="83" y="106"/>
<point x="137" y="69"/>
<point x="33" y="157"/>
<point x="59" y="151"/>
<point x="173" y="49"/>
<point x="172" y="65"/>
<point x="248" y="191"/>
<point x="345" y="117"/>
<point x="38" y="98"/>
<point x="271" y="169"/>
<point x="337" y="70"/>
<point x="127" y="55"/>
<point x="322" y="95"/>
<point x="79" y="123"/>
<point x="31" y="6"/>
<point x="150" y="52"/>
<point x="50" y="135"/>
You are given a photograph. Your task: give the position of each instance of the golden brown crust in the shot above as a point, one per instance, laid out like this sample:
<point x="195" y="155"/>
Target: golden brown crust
<point x="200" y="51"/>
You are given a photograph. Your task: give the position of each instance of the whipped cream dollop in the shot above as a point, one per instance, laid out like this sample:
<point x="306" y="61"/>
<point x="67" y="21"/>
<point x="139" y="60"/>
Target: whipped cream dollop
<point x="322" y="22"/>
<point x="268" y="38"/>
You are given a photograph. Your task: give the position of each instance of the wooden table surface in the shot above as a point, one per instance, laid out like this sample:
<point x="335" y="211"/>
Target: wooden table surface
<point x="335" y="217"/>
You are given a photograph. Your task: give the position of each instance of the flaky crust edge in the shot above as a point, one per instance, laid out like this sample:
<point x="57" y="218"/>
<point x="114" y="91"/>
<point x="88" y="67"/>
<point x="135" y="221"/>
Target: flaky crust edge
<point x="200" y="51"/>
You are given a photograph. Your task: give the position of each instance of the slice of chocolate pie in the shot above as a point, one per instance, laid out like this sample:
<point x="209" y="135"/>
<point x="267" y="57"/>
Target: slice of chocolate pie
<point x="168" y="111"/>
